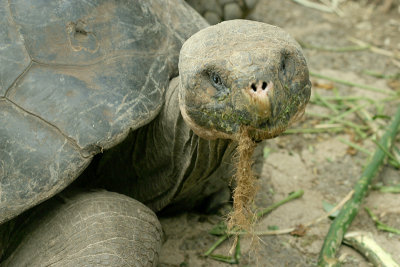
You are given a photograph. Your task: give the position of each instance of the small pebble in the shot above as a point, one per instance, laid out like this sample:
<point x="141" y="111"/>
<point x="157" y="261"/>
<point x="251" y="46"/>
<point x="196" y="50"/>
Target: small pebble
<point x="212" y="5"/>
<point x="212" y="18"/>
<point x="386" y="42"/>
<point x="250" y="4"/>
<point x="224" y="2"/>
<point x="232" y="11"/>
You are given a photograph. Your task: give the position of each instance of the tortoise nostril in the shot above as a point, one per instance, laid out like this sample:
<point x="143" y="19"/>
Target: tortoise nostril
<point x="264" y="85"/>
<point x="253" y="86"/>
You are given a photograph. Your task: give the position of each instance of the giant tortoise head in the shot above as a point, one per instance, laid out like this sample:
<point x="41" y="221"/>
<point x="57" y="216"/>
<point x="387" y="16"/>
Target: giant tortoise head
<point x="242" y="73"/>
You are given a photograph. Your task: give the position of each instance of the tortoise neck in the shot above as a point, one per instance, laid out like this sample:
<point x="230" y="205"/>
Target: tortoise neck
<point x="183" y="167"/>
<point x="164" y="162"/>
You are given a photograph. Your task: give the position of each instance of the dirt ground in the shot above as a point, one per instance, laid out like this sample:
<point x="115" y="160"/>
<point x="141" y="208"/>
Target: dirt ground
<point x="320" y="164"/>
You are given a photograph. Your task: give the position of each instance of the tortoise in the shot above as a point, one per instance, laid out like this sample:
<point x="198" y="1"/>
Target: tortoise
<point x="127" y="108"/>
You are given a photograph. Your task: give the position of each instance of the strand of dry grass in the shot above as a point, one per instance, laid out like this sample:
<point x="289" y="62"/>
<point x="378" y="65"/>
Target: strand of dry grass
<point x="313" y="5"/>
<point x="326" y="6"/>
<point x="349" y="83"/>
<point x="375" y="49"/>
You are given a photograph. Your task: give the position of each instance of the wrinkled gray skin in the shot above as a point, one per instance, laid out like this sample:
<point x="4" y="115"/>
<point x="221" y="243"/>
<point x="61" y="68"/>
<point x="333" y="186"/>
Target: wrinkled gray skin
<point x="88" y="97"/>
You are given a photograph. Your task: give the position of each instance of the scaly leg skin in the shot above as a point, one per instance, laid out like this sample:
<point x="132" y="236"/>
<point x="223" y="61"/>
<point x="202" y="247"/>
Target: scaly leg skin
<point x="87" y="228"/>
<point x="215" y="11"/>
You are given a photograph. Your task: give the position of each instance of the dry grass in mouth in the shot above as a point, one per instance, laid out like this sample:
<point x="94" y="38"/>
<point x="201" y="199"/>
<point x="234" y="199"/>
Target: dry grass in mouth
<point x="246" y="185"/>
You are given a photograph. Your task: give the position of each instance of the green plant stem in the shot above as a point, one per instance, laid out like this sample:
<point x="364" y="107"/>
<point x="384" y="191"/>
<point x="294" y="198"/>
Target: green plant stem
<point x="381" y="75"/>
<point x="223" y="258"/>
<point x="237" y="250"/>
<point x="355" y="146"/>
<point x="314" y="130"/>
<point x="216" y="244"/>
<point x="387" y="189"/>
<point x="348" y="83"/>
<point x="386" y="151"/>
<point x="346" y="98"/>
<point x="228" y="259"/>
<point x="326" y="103"/>
<point x="344" y="114"/>
<point x="270" y="208"/>
<point x="367" y="119"/>
<point x="358" y="128"/>
<point x="351" y="48"/>
<point x="349" y="211"/>
<point x="380" y="225"/>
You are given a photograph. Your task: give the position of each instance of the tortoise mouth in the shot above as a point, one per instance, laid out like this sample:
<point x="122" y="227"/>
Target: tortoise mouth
<point x="259" y="134"/>
<point x="228" y="128"/>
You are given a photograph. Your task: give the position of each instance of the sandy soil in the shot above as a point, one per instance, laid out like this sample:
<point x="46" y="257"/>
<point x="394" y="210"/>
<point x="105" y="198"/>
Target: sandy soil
<point x="320" y="164"/>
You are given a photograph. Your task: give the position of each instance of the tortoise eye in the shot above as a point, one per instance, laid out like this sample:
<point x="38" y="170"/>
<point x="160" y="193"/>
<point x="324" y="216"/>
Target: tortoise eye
<point x="216" y="79"/>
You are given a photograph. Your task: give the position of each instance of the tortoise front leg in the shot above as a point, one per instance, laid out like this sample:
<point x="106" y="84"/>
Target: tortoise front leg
<point x="96" y="228"/>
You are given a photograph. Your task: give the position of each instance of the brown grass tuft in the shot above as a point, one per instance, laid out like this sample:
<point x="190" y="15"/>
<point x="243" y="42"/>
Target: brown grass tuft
<point x="246" y="187"/>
